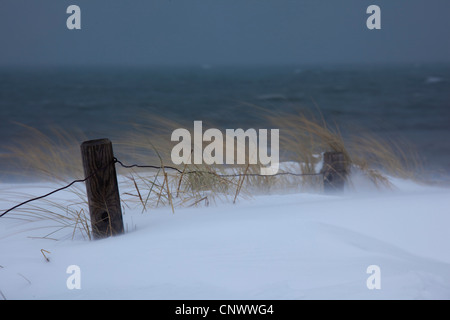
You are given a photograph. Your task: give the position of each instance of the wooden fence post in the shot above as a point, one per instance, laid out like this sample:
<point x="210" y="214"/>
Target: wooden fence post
<point x="102" y="188"/>
<point x="334" y="170"/>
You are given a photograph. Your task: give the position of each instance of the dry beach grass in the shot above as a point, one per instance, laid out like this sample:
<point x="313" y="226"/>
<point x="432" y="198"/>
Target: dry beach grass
<point x="303" y="139"/>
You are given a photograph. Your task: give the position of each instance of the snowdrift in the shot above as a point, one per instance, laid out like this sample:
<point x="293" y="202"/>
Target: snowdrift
<point x="286" y="246"/>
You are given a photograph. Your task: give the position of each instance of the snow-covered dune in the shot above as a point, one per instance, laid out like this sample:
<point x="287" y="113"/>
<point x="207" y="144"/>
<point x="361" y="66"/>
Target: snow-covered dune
<point x="293" y="246"/>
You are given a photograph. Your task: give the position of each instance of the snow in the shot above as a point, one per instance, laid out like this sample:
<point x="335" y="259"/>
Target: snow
<point x="291" y="246"/>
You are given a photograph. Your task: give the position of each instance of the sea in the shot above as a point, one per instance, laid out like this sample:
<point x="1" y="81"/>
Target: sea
<point x="410" y="102"/>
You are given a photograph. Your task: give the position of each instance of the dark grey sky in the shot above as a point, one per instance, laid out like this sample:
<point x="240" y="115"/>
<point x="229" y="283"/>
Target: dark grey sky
<point x="149" y="32"/>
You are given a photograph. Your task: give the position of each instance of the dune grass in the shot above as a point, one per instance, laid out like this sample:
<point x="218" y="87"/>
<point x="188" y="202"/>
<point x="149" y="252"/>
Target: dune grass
<point x="305" y="135"/>
<point x="303" y="140"/>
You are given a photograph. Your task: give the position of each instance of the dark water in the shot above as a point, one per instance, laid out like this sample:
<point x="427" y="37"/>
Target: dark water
<point x="412" y="102"/>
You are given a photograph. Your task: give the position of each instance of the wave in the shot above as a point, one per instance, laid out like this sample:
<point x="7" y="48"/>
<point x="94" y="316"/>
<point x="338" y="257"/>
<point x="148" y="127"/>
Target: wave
<point x="433" y="79"/>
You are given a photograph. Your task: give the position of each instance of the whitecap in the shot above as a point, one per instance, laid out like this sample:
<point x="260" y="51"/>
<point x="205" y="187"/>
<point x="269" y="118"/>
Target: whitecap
<point x="433" y="79"/>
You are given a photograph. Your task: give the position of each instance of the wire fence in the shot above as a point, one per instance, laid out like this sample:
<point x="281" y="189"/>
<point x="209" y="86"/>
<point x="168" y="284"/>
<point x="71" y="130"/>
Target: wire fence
<point x="116" y="161"/>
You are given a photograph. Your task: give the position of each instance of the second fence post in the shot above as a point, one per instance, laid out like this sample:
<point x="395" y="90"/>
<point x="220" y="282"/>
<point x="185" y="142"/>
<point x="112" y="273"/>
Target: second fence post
<point x="334" y="170"/>
<point x="102" y="188"/>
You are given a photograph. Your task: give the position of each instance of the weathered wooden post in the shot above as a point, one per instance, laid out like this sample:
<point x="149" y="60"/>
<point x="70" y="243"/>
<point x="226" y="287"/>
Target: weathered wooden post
<point x="102" y="188"/>
<point x="334" y="170"/>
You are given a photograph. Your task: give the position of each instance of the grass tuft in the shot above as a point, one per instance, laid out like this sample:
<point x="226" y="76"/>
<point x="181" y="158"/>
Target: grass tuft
<point x="303" y="140"/>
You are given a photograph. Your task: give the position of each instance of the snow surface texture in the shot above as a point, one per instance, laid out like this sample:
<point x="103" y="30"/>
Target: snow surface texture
<point x="293" y="246"/>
